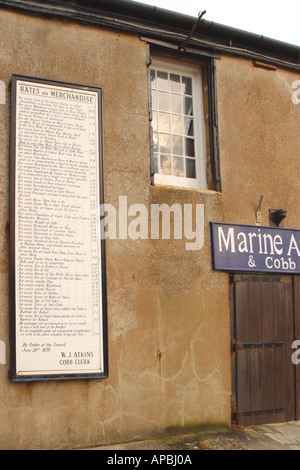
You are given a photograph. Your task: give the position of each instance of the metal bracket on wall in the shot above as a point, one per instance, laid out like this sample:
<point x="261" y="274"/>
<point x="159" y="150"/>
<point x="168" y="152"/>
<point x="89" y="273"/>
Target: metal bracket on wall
<point x="185" y="43"/>
<point x="258" y="211"/>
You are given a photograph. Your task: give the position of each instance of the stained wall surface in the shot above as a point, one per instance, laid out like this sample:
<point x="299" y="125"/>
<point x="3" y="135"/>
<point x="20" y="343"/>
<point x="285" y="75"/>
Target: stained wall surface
<point x="168" y="311"/>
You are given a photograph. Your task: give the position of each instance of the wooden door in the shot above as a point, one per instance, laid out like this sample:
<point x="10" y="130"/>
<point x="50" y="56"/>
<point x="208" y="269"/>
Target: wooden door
<point x="263" y="330"/>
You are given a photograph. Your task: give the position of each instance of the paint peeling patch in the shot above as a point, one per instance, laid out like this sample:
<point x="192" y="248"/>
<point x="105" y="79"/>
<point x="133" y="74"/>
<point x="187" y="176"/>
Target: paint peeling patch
<point x="2" y="92"/>
<point x="2" y="353"/>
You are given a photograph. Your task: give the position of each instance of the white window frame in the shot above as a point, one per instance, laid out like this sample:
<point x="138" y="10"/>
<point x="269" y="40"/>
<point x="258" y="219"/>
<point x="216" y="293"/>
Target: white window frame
<point x="195" y="73"/>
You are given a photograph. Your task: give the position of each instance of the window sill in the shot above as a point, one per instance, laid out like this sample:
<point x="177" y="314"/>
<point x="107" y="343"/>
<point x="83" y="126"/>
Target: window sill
<point x="178" y="181"/>
<point x="182" y="188"/>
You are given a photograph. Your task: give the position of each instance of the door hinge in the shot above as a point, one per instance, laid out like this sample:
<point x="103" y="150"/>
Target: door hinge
<point x="235" y="346"/>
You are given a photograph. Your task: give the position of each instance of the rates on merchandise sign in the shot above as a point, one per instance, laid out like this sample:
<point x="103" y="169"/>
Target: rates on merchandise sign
<point x="57" y="260"/>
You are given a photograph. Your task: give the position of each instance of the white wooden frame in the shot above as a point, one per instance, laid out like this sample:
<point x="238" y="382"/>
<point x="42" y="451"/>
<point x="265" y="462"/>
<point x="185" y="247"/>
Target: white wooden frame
<point x="195" y="73"/>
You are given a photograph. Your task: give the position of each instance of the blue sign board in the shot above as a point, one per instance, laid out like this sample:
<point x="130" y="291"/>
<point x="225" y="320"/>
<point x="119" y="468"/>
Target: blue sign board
<point x="255" y="248"/>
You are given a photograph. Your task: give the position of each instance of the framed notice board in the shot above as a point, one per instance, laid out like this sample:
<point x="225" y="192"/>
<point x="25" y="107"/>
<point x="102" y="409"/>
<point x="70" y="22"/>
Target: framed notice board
<point x="58" y="318"/>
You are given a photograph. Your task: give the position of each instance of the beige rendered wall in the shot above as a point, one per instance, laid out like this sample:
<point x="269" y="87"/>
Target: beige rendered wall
<point x="168" y="312"/>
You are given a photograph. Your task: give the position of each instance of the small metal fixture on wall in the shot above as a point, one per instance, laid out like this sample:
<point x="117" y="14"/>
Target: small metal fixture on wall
<point x="277" y="217"/>
<point x="258" y="211"/>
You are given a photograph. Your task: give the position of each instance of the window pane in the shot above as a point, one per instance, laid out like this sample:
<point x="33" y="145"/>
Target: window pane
<point x="187" y="85"/>
<point x="173" y="128"/>
<point x="163" y="101"/>
<point x="175" y="86"/>
<point x="177" y="145"/>
<point x="176" y="104"/>
<point x="155" y="168"/>
<point x="164" y="143"/>
<point x="162" y="81"/>
<point x="153" y="98"/>
<point x="176" y="124"/>
<point x="164" y="122"/>
<point x="188" y="126"/>
<point x="189" y="147"/>
<point x="190" y="168"/>
<point x="153" y="78"/>
<point x="165" y="164"/>
<point x="154" y="121"/>
<point x="178" y="169"/>
<point x="188" y="106"/>
<point x="155" y="142"/>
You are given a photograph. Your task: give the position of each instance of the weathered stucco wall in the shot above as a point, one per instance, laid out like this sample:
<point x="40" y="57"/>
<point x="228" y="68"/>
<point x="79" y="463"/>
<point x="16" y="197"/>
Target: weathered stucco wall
<point x="259" y="140"/>
<point x="168" y="312"/>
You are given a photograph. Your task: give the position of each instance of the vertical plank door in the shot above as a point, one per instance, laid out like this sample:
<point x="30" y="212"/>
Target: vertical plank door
<point x="263" y="330"/>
